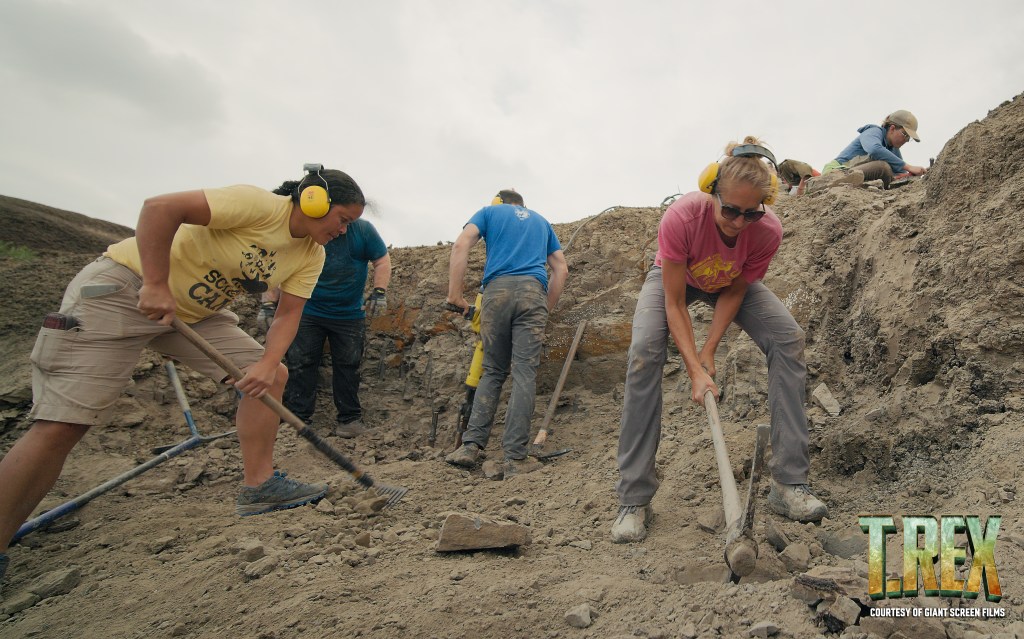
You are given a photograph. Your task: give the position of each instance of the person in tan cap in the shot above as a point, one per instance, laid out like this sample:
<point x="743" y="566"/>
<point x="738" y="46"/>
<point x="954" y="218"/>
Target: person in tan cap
<point x="875" y="153"/>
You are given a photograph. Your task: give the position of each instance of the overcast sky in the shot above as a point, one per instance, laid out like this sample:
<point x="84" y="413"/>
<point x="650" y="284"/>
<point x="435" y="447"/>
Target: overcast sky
<point x="432" y="106"/>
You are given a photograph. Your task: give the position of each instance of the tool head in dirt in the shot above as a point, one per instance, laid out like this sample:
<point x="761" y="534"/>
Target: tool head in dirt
<point x="393" y="493"/>
<point x="541" y="455"/>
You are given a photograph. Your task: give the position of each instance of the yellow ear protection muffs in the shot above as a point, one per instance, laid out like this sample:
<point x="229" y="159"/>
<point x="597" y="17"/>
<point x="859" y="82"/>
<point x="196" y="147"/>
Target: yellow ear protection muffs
<point x="708" y="179"/>
<point x="497" y="200"/>
<point x="315" y="200"/>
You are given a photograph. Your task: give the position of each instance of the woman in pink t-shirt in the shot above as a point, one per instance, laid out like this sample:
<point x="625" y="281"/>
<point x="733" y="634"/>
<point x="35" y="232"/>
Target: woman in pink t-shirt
<point x="714" y="245"/>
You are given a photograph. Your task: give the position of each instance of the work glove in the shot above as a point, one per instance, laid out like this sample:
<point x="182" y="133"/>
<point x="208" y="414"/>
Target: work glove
<point x="265" y="316"/>
<point x="376" y="303"/>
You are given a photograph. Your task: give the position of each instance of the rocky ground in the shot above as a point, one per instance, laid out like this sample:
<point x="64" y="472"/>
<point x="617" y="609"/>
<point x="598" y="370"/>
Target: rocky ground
<point x="912" y="303"/>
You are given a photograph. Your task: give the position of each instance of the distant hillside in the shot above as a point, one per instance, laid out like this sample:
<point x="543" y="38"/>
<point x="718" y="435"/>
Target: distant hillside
<point x="43" y="228"/>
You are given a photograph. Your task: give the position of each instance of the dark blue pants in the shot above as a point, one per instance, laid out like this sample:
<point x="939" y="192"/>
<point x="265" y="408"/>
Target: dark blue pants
<point x="303" y="360"/>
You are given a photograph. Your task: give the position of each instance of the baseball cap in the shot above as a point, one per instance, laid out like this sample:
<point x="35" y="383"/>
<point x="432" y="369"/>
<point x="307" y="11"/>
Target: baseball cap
<point x="906" y="120"/>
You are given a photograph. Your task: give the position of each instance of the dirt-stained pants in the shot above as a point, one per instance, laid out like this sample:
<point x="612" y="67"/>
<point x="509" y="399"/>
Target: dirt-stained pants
<point x="876" y="170"/>
<point x="766" y="320"/>
<point x="514" y="313"/>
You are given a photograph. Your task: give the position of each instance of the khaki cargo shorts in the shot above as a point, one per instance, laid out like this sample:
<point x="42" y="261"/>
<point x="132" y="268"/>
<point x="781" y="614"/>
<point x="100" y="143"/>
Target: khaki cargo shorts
<point x="78" y="374"/>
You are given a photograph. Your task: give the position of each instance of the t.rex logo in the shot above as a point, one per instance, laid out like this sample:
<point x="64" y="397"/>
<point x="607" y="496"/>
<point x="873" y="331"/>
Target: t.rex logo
<point x="256" y="266"/>
<point x="714" y="273"/>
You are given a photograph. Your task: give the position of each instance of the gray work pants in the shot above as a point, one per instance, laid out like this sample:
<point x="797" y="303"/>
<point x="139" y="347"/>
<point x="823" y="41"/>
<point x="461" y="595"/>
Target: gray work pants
<point x="514" y="313"/>
<point x="766" y="320"/>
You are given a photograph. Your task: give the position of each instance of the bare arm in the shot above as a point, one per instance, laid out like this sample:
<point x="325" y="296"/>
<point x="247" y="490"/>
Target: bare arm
<point x="559" y="273"/>
<point x="681" y="328"/>
<point x="259" y="377"/>
<point x="158" y="222"/>
<point x="458" y="263"/>
<point x="382" y="271"/>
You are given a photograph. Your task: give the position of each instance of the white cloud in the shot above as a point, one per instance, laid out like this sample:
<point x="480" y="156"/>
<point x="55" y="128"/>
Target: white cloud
<point x="434" y="105"/>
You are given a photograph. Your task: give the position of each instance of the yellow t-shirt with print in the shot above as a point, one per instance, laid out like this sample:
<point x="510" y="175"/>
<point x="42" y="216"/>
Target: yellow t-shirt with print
<point x="246" y="248"/>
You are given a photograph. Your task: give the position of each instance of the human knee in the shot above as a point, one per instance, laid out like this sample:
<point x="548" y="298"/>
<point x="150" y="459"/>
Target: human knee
<point x="791" y="343"/>
<point x="281" y="379"/>
<point x="58" y="435"/>
<point x="643" y="357"/>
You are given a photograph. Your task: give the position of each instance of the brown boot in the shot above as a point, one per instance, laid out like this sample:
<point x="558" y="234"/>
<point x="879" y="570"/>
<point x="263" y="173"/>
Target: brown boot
<point x="466" y="456"/>
<point x="521" y="466"/>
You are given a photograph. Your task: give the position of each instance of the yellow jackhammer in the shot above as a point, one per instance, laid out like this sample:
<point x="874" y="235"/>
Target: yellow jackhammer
<point x="476" y="367"/>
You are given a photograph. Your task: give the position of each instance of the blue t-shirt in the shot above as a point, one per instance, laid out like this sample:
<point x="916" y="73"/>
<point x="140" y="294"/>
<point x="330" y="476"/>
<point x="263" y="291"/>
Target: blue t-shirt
<point x="518" y="241"/>
<point x="339" y="291"/>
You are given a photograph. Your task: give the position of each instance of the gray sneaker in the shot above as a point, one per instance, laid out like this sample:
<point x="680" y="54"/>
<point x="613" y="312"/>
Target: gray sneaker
<point x="277" y="493"/>
<point x="796" y="502"/>
<point x="354" y="428"/>
<point x="467" y="456"/>
<point x="631" y="524"/>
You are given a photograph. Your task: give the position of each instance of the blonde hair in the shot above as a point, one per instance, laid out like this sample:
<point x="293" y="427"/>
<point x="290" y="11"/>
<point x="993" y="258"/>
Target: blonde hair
<point x="751" y="169"/>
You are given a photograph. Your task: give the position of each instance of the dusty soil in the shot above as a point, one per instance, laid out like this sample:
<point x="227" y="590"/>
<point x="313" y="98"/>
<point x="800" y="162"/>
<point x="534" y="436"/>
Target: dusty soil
<point x="912" y="303"/>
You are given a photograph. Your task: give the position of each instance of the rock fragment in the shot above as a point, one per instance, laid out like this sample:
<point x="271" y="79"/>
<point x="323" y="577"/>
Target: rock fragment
<point x="763" y="629"/>
<point x="579" y="617"/>
<point x="825" y="399"/>
<point x="462" y="532"/>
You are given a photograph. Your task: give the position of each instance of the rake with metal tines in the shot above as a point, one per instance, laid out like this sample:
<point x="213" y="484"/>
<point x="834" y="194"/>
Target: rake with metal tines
<point x="393" y="493"/>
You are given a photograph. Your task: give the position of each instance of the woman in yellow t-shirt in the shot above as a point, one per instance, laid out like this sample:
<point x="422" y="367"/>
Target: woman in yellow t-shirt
<point x="193" y="252"/>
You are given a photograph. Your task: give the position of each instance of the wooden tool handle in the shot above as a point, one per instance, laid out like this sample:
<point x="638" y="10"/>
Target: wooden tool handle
<point x="275" y="405"/>
<point x="542" y="434"/>
<point x="730" y="495"/>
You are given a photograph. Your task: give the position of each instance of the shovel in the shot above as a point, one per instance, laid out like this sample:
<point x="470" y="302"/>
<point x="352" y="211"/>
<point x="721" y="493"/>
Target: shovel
<point x="393" y="493"/>
<point x="740" y="547"/>
<point x="542" y="435"/>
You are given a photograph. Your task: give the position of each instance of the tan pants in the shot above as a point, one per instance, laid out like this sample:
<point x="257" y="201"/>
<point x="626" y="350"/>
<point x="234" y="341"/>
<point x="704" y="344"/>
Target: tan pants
<point x="78" y="374"/>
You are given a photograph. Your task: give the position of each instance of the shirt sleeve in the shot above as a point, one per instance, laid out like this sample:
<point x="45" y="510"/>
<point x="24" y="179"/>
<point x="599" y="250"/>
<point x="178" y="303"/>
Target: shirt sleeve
<point x="302" y="282"/>
<point x="479" y="219"/>
<point x="373" y="245"/>
<point x="762" y="252"/>
<point x="553" y="243"/>
<point x="675" y="236"/>
<point x="873" y="141"/>
<point x="242" y="206"/>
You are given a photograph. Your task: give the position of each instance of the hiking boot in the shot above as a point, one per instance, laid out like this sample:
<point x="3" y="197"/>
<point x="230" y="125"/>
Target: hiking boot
<point x="853" y="177"/>
<point x="631" y="524"/>
<point x="277" y="493"/>
<point x="354" y="428"/>
<point x="796" y="502"/>
<point x="467" y="456"/>
<point x="520" y="466"/>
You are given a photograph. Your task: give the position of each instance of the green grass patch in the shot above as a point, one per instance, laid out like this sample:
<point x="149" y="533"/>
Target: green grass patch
<point x="20" y="253"/>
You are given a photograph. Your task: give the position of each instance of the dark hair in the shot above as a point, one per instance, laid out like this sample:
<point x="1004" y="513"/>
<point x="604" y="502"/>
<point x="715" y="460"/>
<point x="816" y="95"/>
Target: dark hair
<point x="342" y="188"/>
<point x="509" y="196"/>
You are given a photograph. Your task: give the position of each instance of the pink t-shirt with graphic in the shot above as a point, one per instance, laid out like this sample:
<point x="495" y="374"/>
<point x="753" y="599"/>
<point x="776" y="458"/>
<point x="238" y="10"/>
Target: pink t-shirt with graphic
<point x="688" y="235"/>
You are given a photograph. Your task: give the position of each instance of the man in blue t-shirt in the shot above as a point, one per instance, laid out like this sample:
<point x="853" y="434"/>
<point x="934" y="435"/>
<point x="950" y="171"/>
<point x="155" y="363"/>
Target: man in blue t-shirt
<point x="335" y="312"/>
<point x="517" y="296"/>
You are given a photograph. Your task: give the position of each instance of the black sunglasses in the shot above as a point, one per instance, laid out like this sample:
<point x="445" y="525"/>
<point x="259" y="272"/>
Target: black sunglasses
<point x="731" y="212"/>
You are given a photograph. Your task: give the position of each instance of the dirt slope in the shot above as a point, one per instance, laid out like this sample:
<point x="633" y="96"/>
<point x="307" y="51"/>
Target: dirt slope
<point x="911" y="299"/>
